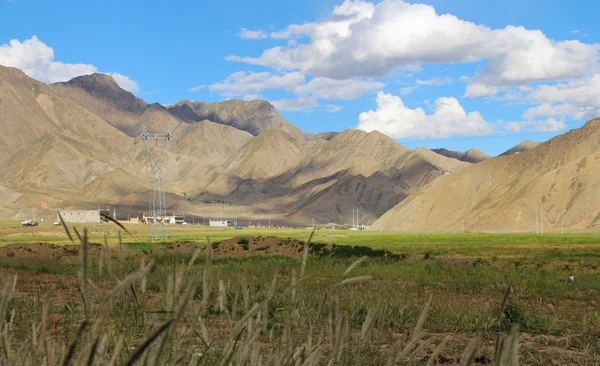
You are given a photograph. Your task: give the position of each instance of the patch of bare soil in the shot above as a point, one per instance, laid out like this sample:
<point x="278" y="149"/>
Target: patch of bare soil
<point x="49" y="251"/>
<point x="43" y="251"/>
<point x="236" y="247"/>
<point x="459" y="261"/>
<point x="248" y="245"/>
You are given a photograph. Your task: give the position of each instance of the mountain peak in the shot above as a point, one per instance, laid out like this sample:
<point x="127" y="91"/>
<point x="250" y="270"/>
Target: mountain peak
<point x="521" y="147"/>
<point x="255" y="116"/>
<point x="473" y="156"/>
<point x="94" y="79"/>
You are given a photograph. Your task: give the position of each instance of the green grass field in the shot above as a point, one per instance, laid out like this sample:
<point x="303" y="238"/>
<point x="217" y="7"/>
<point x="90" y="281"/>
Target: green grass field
<point x="466" y="276"/>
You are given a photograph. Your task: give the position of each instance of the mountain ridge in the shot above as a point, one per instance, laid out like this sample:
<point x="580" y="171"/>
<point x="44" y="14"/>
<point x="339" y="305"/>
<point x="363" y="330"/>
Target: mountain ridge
<point x="504" y="193"/>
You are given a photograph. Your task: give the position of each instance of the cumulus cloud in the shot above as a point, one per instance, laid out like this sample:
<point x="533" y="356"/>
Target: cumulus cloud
<point x="549" y="125"/>
<point x="240" y="84"/>
<point x="579" y="99"/>
<point x="396" y="120"/>
<point x="327" y="88"/>
<point x="36" y="59"/>
<point x="125" y="82"/>
<point x="361" y="39"/>
<point x="243" y="83"/>
<point x="252" y="34"/>
<point x="299" y="104"/>
<point x="538" y="59"/>
<point x="477" y="90"/>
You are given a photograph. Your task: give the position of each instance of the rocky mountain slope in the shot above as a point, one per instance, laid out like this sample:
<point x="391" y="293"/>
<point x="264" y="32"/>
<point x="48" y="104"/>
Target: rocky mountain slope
<point x="73" y="145"/>
<point x="253" y="117"/>
<point x="556" y="180"/>
<point x="473" y="156"/>
<point x="522" y="147"/>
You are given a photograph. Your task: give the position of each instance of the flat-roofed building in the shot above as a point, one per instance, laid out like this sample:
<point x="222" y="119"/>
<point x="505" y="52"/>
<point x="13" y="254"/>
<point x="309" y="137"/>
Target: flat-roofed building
<point x="83" y="216"/>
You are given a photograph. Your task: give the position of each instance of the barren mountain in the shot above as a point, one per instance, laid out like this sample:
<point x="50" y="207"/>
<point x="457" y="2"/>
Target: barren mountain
<point x="71" y="145"/>
<point x="473" y="156"/>
<point x="556" y="181"/>
<point x="320" y="136"/>
<point x="522" y="147"/>
<point x="102" y="95"/>
<point x="267" y="155"/>
<point x="254" y="116"/>
<point x="54" y="145"/>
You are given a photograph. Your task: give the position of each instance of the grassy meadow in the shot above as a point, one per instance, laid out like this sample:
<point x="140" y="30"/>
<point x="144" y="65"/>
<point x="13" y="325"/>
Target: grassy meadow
<point x="448" y="298"/>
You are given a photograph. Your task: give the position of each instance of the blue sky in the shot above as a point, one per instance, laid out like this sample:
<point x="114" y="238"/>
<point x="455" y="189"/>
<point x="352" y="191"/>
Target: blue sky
<point x="433" y="73"/>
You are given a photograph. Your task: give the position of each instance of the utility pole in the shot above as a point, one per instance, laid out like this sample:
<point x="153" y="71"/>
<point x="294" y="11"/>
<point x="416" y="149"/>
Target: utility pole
<point x="537" y="231"/>
<point x="269" y="222"/>
<point x="313" y="222"/>
<point x="157" y="204"/>
<point x="463" y="226"/>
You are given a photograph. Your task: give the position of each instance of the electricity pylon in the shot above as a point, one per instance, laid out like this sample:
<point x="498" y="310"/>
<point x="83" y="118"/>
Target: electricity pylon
<point x="157" y="206"/>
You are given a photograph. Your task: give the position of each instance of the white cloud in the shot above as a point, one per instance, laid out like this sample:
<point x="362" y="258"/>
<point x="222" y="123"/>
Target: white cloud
<point x="535" y="58"/>
<point x="549" y="125"/>
<point x="125" y="82"/>
<point x="343" y="15"/>
<point x="36" y="59"/>
<point x="252" y="34"/>
<point x="361" y="39"/>
<point x="396" y="120"/>
<point x="435" y="81"/>
<point x="242" y="84"/>
<point x="480" y="90"/>
<point x="197" y="88"/>
<point x="292" y="43"/>
<point x="578" y="99"/>
<point x="332" y="108"/>
<point x="576" y="31"/>
<point x="327" y="88"/>
<point x="299" y="104"/>
<point x="408" y="89"/>
<point x="514" y="126"/>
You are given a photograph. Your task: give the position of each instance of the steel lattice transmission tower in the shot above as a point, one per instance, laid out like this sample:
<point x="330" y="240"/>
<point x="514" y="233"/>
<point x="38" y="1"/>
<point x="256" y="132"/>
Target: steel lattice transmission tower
<point x="157" y="206"/>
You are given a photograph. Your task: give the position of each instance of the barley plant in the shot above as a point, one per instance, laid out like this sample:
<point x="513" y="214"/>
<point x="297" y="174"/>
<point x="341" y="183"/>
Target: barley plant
<point x="190" y="316"/>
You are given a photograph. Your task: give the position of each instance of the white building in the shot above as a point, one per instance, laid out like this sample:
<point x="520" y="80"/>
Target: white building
<point x="177" y="219"/>
<point x="219" y="223"/>
<point x="84" y="216"/>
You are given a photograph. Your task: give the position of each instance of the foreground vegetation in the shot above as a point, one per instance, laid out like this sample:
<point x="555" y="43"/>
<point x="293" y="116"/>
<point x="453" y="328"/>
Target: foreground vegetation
<point x="443" y="298"/>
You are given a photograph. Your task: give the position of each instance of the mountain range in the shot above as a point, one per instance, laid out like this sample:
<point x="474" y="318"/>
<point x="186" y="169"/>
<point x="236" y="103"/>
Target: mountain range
<point x="73" y="145"/>
<point x="552" y="184"/>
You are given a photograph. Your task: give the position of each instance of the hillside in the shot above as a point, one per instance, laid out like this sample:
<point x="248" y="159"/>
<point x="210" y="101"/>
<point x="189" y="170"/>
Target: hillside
<point x="522" y="147"/>
<point x="101" y="95"/>
<point x="253" y="117"/>
<point x="557" y="180"/>
<point x="73" y="144"/>
<point x="473" y="156"/>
